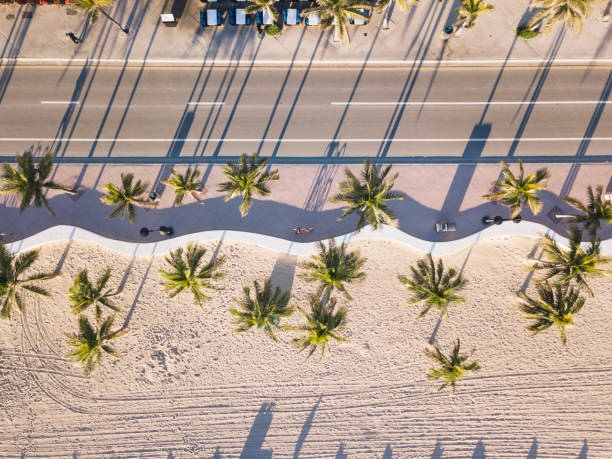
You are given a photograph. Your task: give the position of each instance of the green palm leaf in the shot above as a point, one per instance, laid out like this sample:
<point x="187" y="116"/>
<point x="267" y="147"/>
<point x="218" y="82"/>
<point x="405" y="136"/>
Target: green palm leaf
<point x="323" y="324"/>
<point x="188" y="274"/>
<point x="12" y="269"/>
<point x="432" y="285"/>
<point x="92" y="6"/>
<point x="264" y="309"/>
<point x="469" y="10"/>
<point x="30" y="180"/>
<point x="517" y="192"/>
<point x="451" y="368"/>
<point x="83" y="294"/>
<point x="367" y="197"/>
<point x="338" y="13"/>
<point x="556" y="305"/>
<point x="247" y="178"/>
<point x="596" y="210"/>
<point x="183" y="184"/>
<point x="89" y="343"/>
<point x="572" y="265"/>
<point x="124" y="197"/>
<point x="334" y="266"/>
<point x="571" y="12"/>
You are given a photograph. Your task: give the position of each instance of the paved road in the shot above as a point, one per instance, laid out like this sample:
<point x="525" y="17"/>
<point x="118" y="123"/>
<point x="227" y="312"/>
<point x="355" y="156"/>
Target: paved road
<point x="313" y="114"/>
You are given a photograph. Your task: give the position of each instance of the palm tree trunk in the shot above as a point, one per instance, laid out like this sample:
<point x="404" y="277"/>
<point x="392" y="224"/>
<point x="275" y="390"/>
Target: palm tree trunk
<point x="124" y="30"/>
<point x="385" y="25"/>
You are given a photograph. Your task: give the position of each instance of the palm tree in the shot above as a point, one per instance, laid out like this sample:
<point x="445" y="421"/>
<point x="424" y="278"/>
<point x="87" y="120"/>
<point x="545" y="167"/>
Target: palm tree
<point x="469" y="10"/>
<point x="29" y="181"/>
<point x="596" y="210"/>
<point x="384" y="5"/>
<point x="368" y="195"/>
<point x="574" y="264"/>
<point x="90" y="342"/>
<point x="12" y="268"/>
<point x="516" y="192"/>
<point x="183" y="184"/>
<point x="83" y="294"/>
<point x="245" y="179"/>
<point x="432" y="285"/>
<point x="572" y="12"/>
<point x="262" y="5"/>
<point x="323" y="324"/>
<point x="338" y="13"/>
<point x="554" y="307"/>
<point x="452" y="367"/>
<point x="265" y="310"/>
<point x="333" y="266"/>
<point x="95" y="8"/>
<point x="187" y="274"/>
<point x="125" y="197"/>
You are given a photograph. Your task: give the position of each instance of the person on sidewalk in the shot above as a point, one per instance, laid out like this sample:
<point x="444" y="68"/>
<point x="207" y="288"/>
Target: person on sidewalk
<point x="73" y="37"/>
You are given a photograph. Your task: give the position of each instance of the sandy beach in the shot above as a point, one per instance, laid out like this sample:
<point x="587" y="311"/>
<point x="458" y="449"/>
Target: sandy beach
<point x="186" y="386"/>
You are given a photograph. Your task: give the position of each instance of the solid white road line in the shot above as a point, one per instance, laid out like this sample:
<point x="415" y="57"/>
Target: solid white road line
<point x="268" y="140"/>
<point x="518" y="102"/>
<point x="205" y="103"/>
<point x="60" y="102"/>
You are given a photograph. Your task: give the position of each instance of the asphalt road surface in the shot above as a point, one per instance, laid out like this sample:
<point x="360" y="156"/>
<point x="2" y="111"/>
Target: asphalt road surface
<point x="314" y="114"/>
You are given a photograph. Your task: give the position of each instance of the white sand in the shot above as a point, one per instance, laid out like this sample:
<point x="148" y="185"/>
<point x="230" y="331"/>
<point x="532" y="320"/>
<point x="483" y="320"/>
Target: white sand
<point x="189" y="387"/>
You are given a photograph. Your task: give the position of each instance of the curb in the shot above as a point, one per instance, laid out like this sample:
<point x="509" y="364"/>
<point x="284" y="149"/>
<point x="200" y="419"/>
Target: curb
<point x="69" y="233"/>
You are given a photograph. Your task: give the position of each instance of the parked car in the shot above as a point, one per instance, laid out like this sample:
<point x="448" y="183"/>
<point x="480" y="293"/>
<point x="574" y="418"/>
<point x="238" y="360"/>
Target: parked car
<point x="263" y="17"/>
<point x="292" y="16"/>
<point x="445" y="227"/>
<point x="211" y="17"/>
<point x="313" y="19"/>
<point x="360" y="20"/>
<point x="238" y="16"/>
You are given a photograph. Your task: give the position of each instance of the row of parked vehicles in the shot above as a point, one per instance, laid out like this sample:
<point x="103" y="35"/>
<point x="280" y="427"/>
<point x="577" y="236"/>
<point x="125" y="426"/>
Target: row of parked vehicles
<point x="237" y="16"/>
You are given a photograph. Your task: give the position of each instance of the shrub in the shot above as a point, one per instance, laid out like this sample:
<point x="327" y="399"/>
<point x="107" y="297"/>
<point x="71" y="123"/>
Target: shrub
<point x="526" y="33"/>
<point x="272" y="30"/>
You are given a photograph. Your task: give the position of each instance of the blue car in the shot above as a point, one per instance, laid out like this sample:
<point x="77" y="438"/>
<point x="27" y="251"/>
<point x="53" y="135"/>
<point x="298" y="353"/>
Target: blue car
<point x="238" y="17"/>
<point x="292" y="16"/>
<point x="360" y="21"/>
<point x="211" y="17"/>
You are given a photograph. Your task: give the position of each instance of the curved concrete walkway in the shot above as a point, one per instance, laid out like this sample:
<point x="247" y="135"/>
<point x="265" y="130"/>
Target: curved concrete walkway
<point x="69" y="233"/>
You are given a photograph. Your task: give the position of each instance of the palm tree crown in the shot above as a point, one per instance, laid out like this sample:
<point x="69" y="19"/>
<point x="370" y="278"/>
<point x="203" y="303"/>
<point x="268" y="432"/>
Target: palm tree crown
<point x="452" y="367"/>
<point x="338" y="13"/>
<point x="596" y="210"/>
<point x="323" y="324"/>
<point x="368" y="195"/>
<point x="124" y="197"/>
<point x="90" y="342"/>
<point x="574" y="264"/>
<point x="83" y="294"/>
<point x="12" y="267"/>
<point x="516" y="192"/>
<point x="261" y="5"/>
<point x="333" y="266"/>
<point x="245" y="179"/>
<point x="432" y="285"/>
<point x="183" y="184"/>
<point x="29" y="181"/>
<point x="469" y="11"/>
<point x="94" y="7"/>
<point x="572" y="12"/>
<point x="187" y="274"/>
<point x="404" y="5"/>
<point x="264" y="310"/>
<point x="554" y="307"/>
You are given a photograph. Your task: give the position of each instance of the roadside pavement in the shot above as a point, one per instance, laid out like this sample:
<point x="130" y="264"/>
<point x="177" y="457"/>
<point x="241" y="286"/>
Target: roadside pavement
<point x="435" y="193"/>
<point x="37" y="34"/>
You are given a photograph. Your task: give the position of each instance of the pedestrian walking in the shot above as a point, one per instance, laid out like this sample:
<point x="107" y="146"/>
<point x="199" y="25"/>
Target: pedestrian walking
<point x="74" y="38"/>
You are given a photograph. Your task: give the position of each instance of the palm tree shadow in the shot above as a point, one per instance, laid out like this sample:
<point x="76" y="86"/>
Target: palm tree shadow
<point x="305" y="429"/>
<point x="583" y="451"/>
<point x="388" y="454"/>
<point x="438" y="451"/>
<point x="533" y="451"/>
<point x="479" y="451"/>
<point x="128" y="318"/>
<point x="217" y="454"/>
<point x="283" y="272"/>
<point x="340" y="453"/>
<point x="259" y="429"/>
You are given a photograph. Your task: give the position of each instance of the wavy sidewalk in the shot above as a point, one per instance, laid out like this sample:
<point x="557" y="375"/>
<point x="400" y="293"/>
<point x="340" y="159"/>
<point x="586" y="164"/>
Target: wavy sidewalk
<point x="73" y="233"/>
